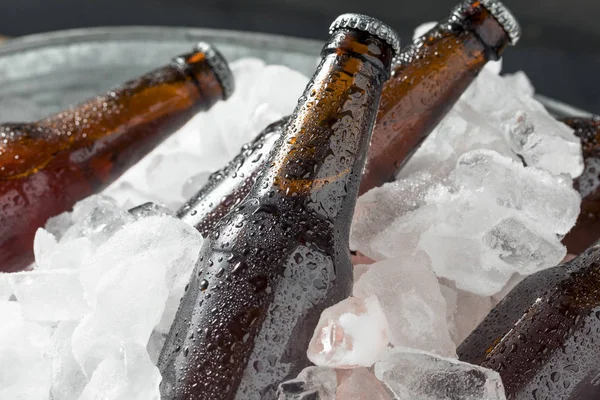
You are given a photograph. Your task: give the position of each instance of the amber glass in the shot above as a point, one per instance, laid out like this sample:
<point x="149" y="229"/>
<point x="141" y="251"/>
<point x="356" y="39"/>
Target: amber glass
<point x="432" y="74"/>
<point x="49" y="165"/>
<point x="281" y="255"/>
<point x="551" y="349"/>
<point x="587" y="228"/>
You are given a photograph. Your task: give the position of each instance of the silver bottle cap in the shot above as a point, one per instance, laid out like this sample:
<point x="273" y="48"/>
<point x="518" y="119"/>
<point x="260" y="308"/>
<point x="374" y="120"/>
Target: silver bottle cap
<point x="368" y="24"/>
<point x="220" y="67"/>
<point x="505" y="18"/>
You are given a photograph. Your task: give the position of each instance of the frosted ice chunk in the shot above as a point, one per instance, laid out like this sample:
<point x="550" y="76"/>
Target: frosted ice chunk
<point x="55" y="295"/>
<point x="128" y="308"/>
<point x="128" y="376"/>
<point x="410" y="296"/>
<point x="530" y="130"/>
<point x="128" y="195"/>
<point x="360" y="384"/>
<point x="263" y="95"/>
<point x="312" y="383"/>
<point x="540" y="196"/>
<point x="194" y="184"/>
<point x="382" y="207"/>
<point x="97" y="218"/>
<point x="164" y="242"/>
<point x="155" y="345"/>
<point x="526" y="250"/>
<point x="26" y="373"/>
<point x="150" y="210"/>
<point x="167" y="174"/>
<point x="66" y="255"/>
<point x="350" y="333"/>
<point x="59" y="224"/>
<point x="68" y="380"/>
<point x="5" y="287"/>
<point x="128" y="280"/>
<point x="425" y="376"/>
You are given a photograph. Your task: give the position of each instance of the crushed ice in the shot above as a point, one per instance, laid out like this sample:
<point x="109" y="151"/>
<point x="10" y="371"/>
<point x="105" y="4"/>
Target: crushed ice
<point x="463" y="223"/>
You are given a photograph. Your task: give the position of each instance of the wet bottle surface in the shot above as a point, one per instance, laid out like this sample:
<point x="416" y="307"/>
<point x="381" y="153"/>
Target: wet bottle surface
<point x="281" y="256"/>
<point x="49" y="165"/>
<point x="552" y="352"/>
<point x="587" y="228"/>
<point x="432" y="74"/>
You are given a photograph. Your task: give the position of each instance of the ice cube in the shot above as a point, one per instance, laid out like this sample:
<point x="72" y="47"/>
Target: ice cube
<point x="59" y="224"/>
<point x="194" y="184"/>
<point x="69" y="254"/>
<point x="68" y="380"/>
<point x="129" y="303"/>
<point x="127" y="195"/>
<point x="360" y="384"/>
<point x="128" y="280"/>
<point x="55" y="295"/>
<point x="527" y="250"/>
<point x="162" y="241"/>
<point x="531" y="131"/>
<point x="155" y="345"/>
<point x="167" y="174"/>
<point x="311" y="384"/>
<point x="150" y="209"/>
<point x="410" y="296"/>
<point x="419" y="375"/>
<point x="382" y="207"/>
<point x="97" y="218"/>
<point x="26" y="372"/>
<point x="545" y="199"/>
<point x="5" y="288"/>
<point x="350" y="333"/>
<point x="128" y="376"/>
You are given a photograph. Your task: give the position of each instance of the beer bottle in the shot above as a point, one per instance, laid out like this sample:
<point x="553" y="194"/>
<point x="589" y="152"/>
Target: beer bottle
<point x="431" y="75"/>
<point x="587" y="228"/>
<point x="552" y="350"/>
<point x="49" y="165"/>
<point x="281" y="255"/>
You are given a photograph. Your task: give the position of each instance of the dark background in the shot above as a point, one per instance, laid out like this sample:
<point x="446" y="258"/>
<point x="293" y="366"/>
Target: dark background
<point x="560" y="48"/>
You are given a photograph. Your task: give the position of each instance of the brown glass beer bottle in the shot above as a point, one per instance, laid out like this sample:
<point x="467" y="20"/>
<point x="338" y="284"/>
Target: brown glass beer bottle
<point x="587" y="229"/>
<point x="281" y="255"/>
<point x="552" y="350"/>
<point x="432" y="74"/>
<point x="49" y="165"/>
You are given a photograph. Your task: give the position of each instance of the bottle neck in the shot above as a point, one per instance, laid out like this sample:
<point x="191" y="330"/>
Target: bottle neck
<point x="321" y="155"/>
<point x="474" y="17"/>
<point x="203" y="75"/>
<point x="144" y="110"/>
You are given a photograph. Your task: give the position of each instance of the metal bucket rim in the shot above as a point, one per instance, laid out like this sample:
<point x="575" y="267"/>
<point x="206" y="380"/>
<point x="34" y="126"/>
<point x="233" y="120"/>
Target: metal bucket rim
<point x="107" y="33"/>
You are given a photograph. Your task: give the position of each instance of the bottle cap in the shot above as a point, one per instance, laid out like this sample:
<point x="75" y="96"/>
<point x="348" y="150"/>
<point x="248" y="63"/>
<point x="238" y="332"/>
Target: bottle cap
<point x="505" y="18"/>
<point x="220" y="67"/>
<point x="368" y="24"/>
